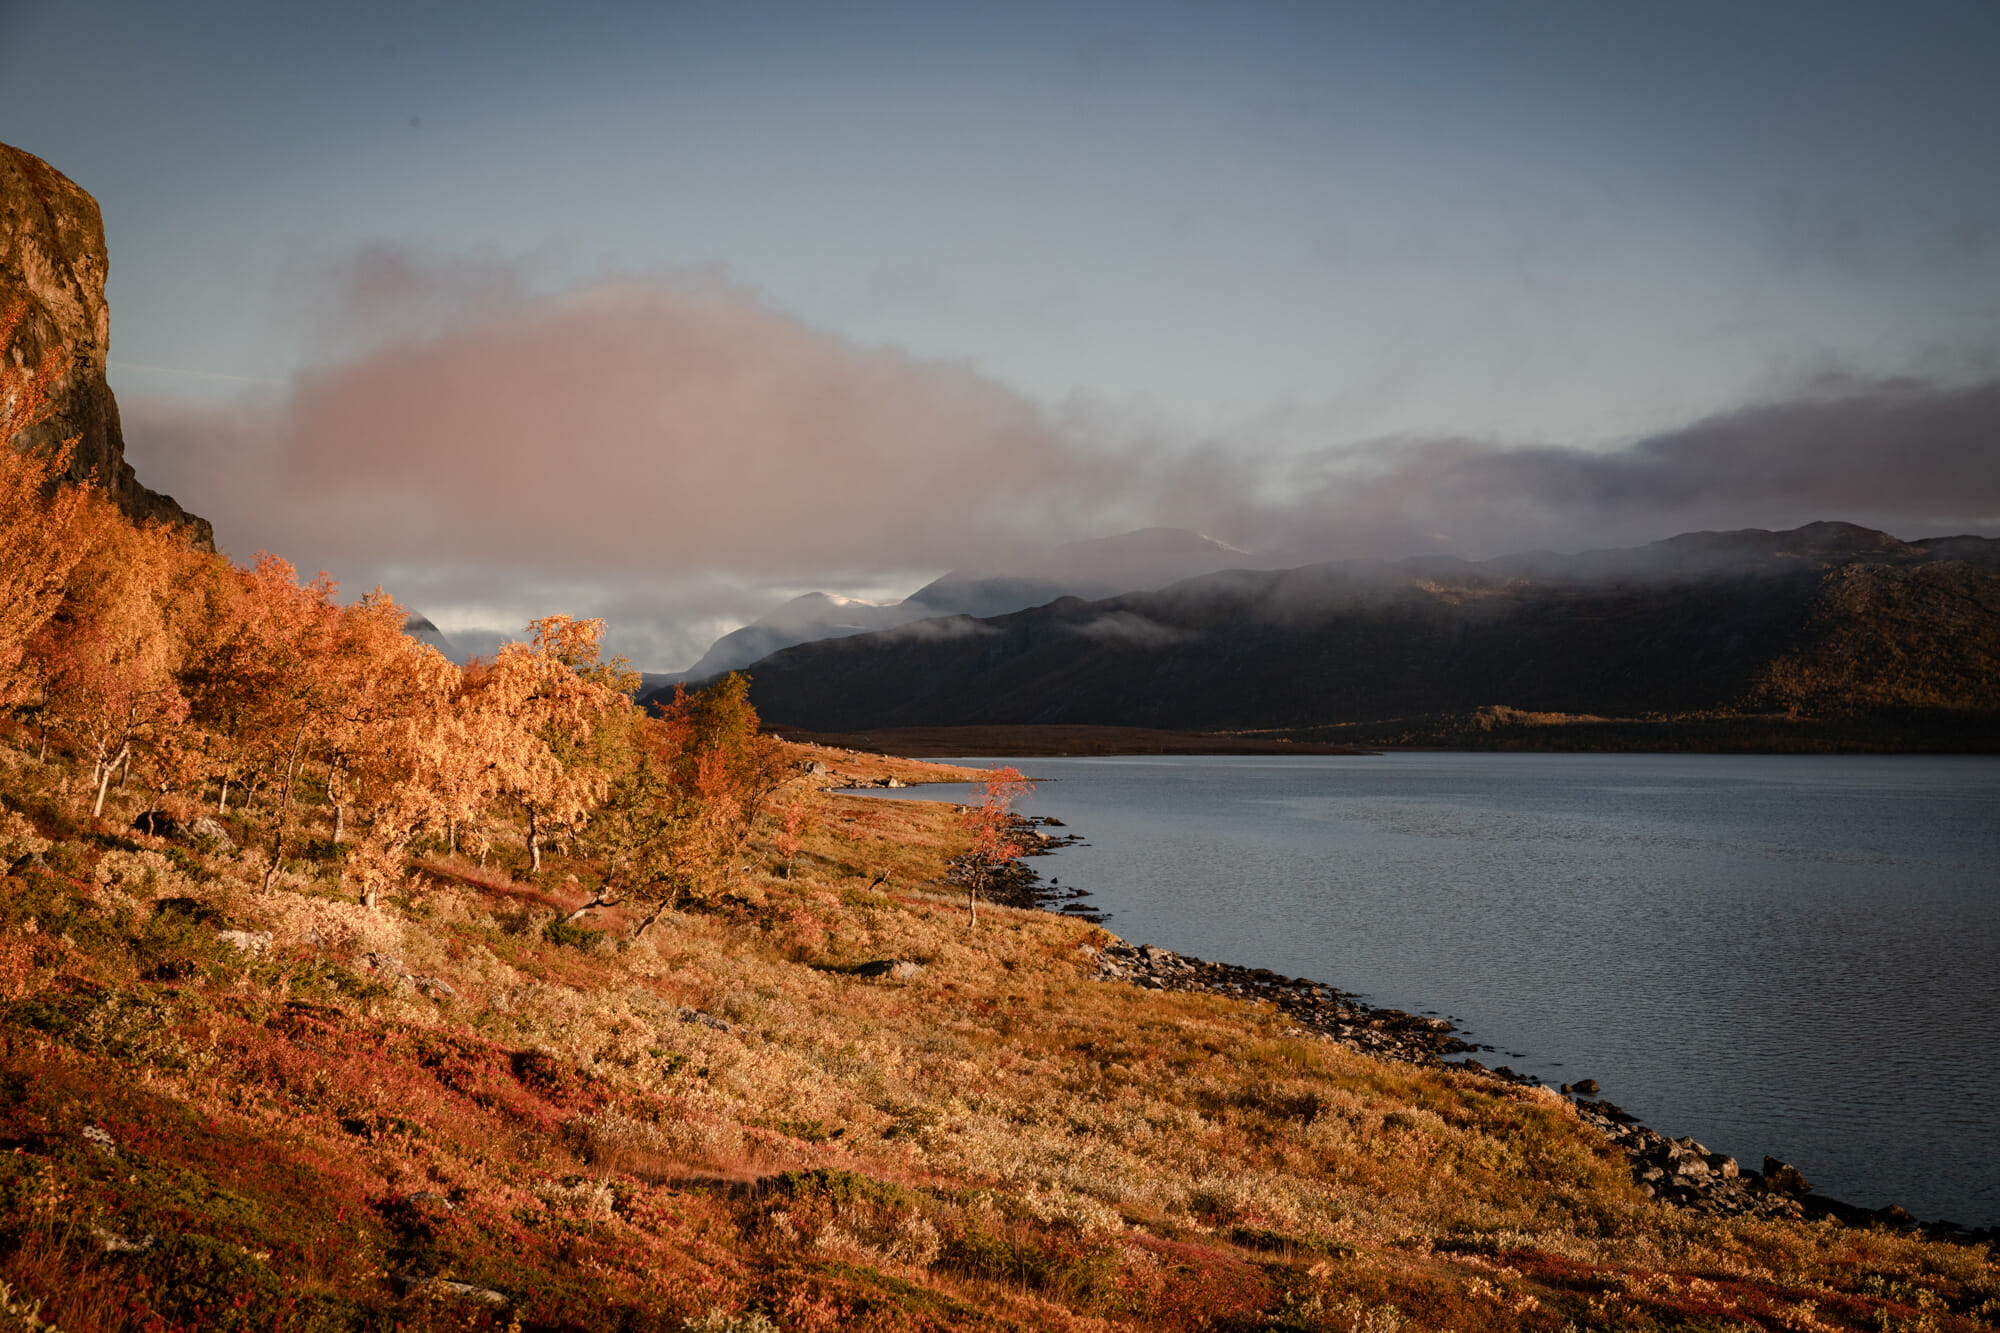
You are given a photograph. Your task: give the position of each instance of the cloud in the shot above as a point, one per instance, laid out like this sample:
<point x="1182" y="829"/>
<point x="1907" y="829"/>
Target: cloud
<point x="1910" y="457"/>
<point x="670" y="425"/>
<point x="678" y="456"/>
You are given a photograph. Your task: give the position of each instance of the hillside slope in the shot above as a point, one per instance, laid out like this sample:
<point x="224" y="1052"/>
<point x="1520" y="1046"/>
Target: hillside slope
<point x="1828" y="621"/>
<point x="231" y="1107"/>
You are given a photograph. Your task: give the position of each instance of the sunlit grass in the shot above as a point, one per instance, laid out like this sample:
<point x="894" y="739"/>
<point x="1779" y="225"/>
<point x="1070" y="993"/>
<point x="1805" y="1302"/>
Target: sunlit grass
<point x="723" y="1120"/>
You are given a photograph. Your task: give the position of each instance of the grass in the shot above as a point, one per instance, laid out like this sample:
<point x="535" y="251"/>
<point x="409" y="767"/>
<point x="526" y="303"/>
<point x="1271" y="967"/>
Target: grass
<point x="723" y="1125"/>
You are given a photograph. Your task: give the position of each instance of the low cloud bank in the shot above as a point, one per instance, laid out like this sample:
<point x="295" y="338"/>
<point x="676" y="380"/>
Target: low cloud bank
<point x="678" y="456"/>
<point x="1911" y="458"/>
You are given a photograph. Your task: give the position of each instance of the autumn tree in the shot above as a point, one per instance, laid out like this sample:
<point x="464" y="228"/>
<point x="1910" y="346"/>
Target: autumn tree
<point x="108" y="654"/>
<point x="560" y="714"/>
<point x="723" y="733"/>
<point x="996" y="841"/>
<point x="795" y="820"/>
<point x="394" y="751"/>
<point x="676" y="820"/>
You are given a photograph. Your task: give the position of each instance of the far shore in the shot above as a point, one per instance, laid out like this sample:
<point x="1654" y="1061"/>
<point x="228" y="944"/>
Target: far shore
<point x="1053" y="740"/>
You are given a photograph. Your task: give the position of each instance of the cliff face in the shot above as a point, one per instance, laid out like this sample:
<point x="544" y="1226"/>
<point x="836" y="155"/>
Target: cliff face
<point x="52" y="254"/>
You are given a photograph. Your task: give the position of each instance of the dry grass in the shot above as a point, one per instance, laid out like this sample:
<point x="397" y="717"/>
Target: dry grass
<point x="722" y="1121"/>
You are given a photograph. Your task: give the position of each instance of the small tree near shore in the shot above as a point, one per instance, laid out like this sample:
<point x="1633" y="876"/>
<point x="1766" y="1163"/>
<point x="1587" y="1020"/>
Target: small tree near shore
<point x="995" y="844"/>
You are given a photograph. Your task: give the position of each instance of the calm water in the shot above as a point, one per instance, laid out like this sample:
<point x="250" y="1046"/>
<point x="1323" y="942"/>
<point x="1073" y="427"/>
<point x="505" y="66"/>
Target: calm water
<point x="1793" y="955"/>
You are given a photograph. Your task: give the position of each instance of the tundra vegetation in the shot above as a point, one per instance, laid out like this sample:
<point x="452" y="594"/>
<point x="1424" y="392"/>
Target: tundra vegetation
<point x="341" y="988"/>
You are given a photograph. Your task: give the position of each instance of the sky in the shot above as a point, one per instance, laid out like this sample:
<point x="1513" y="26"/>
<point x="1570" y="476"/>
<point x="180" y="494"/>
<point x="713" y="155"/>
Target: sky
<point x="666" y="312"/>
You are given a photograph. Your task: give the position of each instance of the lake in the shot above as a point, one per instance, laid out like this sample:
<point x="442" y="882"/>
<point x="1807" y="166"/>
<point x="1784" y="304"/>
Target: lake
<point x="1794" y="955"/>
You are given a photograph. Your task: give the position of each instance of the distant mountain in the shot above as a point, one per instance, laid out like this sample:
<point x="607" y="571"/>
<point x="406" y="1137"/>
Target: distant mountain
<point x="421" y="628"/>
<point x="1129" y="562"/>
<point x="815" y="615"/>
<point x="1105" y="567"/>
<point x="1828" y="621"/>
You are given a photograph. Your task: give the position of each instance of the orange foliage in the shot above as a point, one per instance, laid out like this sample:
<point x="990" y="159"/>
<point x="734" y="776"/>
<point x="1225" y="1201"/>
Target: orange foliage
<point x="992" y="824"/>
<point x="208" y="681"/>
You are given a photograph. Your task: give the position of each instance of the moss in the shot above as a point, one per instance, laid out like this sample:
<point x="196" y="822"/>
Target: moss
<point x="843" y="1189"/>
<point x="205" y="1283"/>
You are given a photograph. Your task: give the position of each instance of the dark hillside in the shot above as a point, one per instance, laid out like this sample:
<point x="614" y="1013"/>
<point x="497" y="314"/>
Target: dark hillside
<point x="1825" y="621"/>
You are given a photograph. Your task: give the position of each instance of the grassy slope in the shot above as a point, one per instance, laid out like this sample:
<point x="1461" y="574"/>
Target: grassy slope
<point x="993" y="1143"/>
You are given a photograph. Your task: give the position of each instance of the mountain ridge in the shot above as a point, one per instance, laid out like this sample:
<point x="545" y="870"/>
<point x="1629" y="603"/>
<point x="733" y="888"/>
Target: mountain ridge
<point x="1099" y="567"/>
<point x="1826" y="621"/>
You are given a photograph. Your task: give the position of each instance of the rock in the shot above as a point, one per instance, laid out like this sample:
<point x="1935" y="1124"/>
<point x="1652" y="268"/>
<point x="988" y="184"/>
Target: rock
<point x="113" y="1243"/>
<point x="100" y="1138"/>
<point x="895" y="969"/>
<point x="1784" y="1178"/>
<point x="815" y="767"/>
<point x="157" y="824"/>
<point x="894" y="782"/>
<point x="52" y="253"/>
<point x="210" y="832"/>
<point x="249" y="941"/>
<point x="687" y="1015"/>
<point x="1588" y="1087"/>
<point x="438" y="1286"/>
<point x="201" y="830"/>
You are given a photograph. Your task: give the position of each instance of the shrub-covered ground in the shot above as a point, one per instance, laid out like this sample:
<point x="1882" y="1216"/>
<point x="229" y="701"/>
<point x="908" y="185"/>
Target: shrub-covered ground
<point x="456" y="1111"/>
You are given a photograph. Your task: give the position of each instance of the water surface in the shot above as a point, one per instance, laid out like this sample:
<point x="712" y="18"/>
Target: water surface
<point x="1797" y="955"/>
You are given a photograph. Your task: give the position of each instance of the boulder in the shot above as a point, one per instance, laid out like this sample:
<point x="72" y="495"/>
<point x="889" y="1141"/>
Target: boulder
<point x="1784" y="1178"/>
<point x="200" y="831"/>
<point x="895" y="969"/>
<point x="688" y="1015"/>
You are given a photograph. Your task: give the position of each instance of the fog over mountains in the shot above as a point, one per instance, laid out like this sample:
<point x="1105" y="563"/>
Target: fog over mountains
<point x="1829" y="621"/>
<point x="1129" y="562"/>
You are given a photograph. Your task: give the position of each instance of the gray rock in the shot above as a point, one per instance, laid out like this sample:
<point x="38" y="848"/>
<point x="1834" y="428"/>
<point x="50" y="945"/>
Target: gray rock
<point x="210" y="832"/>
<point x="466" y="1291"/>
<point x="688" y="1015"/>
<point x="113" y="1243"/>
<point x="249" y="941"/>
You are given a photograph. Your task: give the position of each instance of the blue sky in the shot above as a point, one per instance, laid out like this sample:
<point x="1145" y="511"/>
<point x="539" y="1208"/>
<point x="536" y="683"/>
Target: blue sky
<point x="1230" y="259"/>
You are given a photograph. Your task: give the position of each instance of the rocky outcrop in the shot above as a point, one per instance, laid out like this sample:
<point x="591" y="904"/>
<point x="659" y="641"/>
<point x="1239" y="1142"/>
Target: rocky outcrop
<point x="52" y="256"/>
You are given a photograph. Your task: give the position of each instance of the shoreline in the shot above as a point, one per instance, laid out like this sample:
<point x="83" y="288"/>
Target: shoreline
<point x="1681" y="1172"/>
<point x="1678" y="1171"/>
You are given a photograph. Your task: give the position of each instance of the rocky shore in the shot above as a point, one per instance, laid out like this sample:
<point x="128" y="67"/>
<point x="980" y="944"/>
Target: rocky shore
<point x="1677" y="1171"/>
<point x="1314" y="1006"/>
<point x="1680" y="1172"/>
